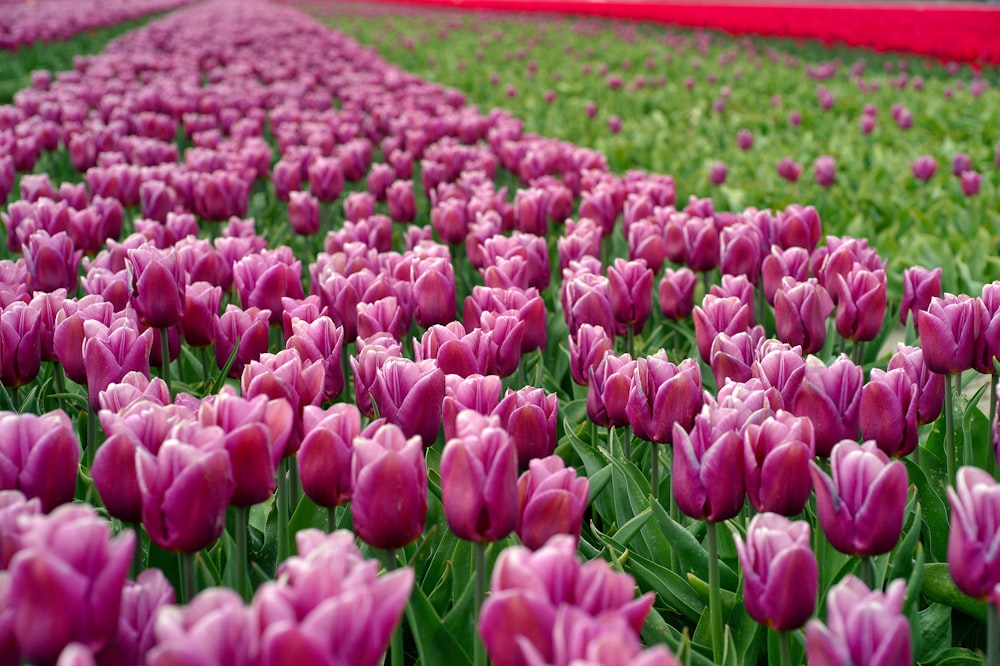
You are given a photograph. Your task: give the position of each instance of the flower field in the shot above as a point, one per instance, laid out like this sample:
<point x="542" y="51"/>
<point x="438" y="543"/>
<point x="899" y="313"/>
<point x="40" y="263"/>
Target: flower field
<point x="392" y="335"/>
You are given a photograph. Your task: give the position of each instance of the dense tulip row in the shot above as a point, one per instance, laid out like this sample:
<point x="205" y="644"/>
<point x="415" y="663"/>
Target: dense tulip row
<point x="24" y="23"/>
<point x="374" y="333"/>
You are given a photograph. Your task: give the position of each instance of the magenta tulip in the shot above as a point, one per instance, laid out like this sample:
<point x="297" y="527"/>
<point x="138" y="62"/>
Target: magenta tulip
<point x="551" y="500"/>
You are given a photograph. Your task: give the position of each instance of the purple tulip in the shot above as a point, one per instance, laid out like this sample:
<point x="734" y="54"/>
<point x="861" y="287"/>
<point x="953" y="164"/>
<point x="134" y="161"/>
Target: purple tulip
<point x="157" y="286"/>
<point x="479" y="479"/>
<point x="20" y="344"/>
<point x="973" y="561"/>
<point x="65" y="584"/>
<point x="948" y="330"/>
<point x="744" y="139"/>
<point x="825" y="170"/>
<point x="741" y="249"/>
<point x="888" y="416"/>
<point x="247" y="327"/>
<point x="609" y="390"/>
<point x="861" y="507"/>
<point x="52" y="262"/>
<point x="14" y="505"/>
<point x="732" y="356"/>
<point x="800" y="312"/>
<point x="303" y="213"/>
<point x="402" y="205"/>
<point x="831" y="397"/>
<point x="286" y="375"/>
<point x="676" y="292"/>
<point x="185" y="492"/>
<point x="971" y="181"/>
<point x="324" y="458"/>
<point x="586" y="300"/>
<point x="798" y="226"/>
<point x="717" y="173"/>
<point x="885" y="640"/>
<point x="716" y="315"/>
<point x="385" y="315"/>
<point x="39" y="456"/>
<point x="551" y="500"/>
<point x="434" y="292"/>
<point x="861" y="304"/>
<point x="321" y="340"/>
<point x="140" y="606"/>
<point x="326" y="179"/>
<point x="776" y="455"/>
<point x="701" y="244"/>
<point x="930" y="385"/>
<point x="788" y="168"/>
<point x="586" y="351"/>
<point x="529" y="416"/>
<point x="707" y="477"/>
<point x="662" y="396"/>
<point x="780" y="574"/>
<point x="214" y="629"/>
<point x="389" y="488"/>
<point x="409" y="394"/>
<point x="111" y="352"/>
<point x="201" y="310"/>
<point x="263" y="279"/>
<point x="924" y="167"/>
<point x="920" y="285"/>
<point x="630" y="290"/>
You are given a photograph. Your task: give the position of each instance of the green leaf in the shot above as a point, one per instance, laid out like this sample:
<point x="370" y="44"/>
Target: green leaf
<point x="939" y="587"/>
<point x="435" y="643"/>
<point x="930" y="493"/>
<point x="957" y="657"/>
<point x="632" y="527"/>
<point x="307" y="515"/>
<point x="693" y="557"/>
<point x="934" y="628"/>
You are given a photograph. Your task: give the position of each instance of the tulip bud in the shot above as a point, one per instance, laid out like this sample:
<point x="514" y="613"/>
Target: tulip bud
<point x="800" y="312"/>
<point x="676" y="292"/>
<point x="609" y="389"/>
<point x="663" y="395"/>
<point x="157" y="286"/>
<point x="924" y="167"/>
<point x="781" y="577"/>
<point x="861" y="304"/>
<point x="919" y="287"/>
<point x="529" y="416"/>
<point x="707" y="477"/>
<point x="948" y="330"/>
<point x="861" y="507"/>
<point x="324" y="458"/>
<point x="716" y="315"/>
<point x="39" y="456"/>
<point x="20" y="344"/>
<point x="409" y="394"/>
<point x="888" y="413"/>
<point x="389" y="480"/>
<point x="551" y="500"/>
<point x="630" y="290"/>
<point x="586" y="351"/>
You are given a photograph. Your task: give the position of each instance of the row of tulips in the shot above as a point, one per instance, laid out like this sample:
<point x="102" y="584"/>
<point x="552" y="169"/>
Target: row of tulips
<point x="176" y="454"/>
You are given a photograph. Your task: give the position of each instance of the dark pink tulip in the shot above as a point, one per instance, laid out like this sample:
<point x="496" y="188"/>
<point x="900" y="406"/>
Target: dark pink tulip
<point x="661" y="396"/>
<point x="776" y="455"/>
<point x="157" y="286"/>
<point x="115" y="476"/>
<point x="324" y="459"/>
<point x="156" y="200"/>
<point x="530" y="211"/>
<point x="434" y="292"/>
<point x="140" y="606"/>
<point x="339" y="297"/>
<point x="630" y="290"/>
<point x="111" y="352"/>
<point x="20" y="344"/>
<point x="66" y="583"/>
<point x="367" y="363"/>
<point x="380" y="177"/>
<point x="600" y="205"/>
<point x="740" y="251"/>
<point x="303" y="213"/>
<point x="789" y="169"/>
<point x="185" y="492"/>
<point x="973" y="561"/>
<point x="48" y="305"/>
<point x="609" y="389"/>
<point x="52" y="262"/>
<point x="707" y="477"/>
<point x="504" y="339"/>
<point x="733" y="355"/>
<point x="744" y="139"/>
<point x="321" y="340"/>
<point x="676" y="292"/>
<point x="781" y="577"/>
<point x="7" y="176"/>
<point x="971" y="181"/>
<point x="214" y="629"/>
<point x="646" y="242"/>
<point x="389" y="481"/>
<point x="825" y="171"/>
<point x="358" y="206"/>
<point x="831" y="398"/>
<point x="402" y="205"/>
<point x="719" y="315"/>
<point x="530" y="416"/>
<point x="800" y="312"/>
<point x="409" y="394"/>
<point x="326" y="179"/>
<point x="586" y="301"/>
<point x="479" y="479"/>
<point x="586" y="351"/>
<point x="960" y="163"/>
<point x="701" y="244"/>
<point x="478" y="392"/>
<point x="948" y="330"/>
<point x="39" y="456"/>
<point x="111" y="287"/>
<point x="263" y="279"/>
<point x="850" y="604"/>
<point x="889" y="403"/>
<point x="68" y="336"/>
<point x="382" y="316"/>
<point x="285" y="375"/>
<point x="526" y="304"/>
<point x="781" y="367"/>
<point x="248" y="328"/>
<point x="14" y="505"/>
<point x="861" y="507"/>
<point x="450" y="220"/>
<point x="287" y="177"/>
<point x="735" y="285"/>
<point x="717" y="173"/>
<point x="798" y="226"/>
<point x="861" y="304"/>
<point x="455" y="352"/>
<point x="920" y="285"/>
<point x="924" y="167"/>
<point x="201" y="310"/>
<point x="551" y="500"/>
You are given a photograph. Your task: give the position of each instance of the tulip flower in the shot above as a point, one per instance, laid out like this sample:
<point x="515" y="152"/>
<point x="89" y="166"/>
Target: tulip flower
<point x="924" y="167"/>
<point x="717" y="173"/>
<point x="831" y="397"/>
<point x="185" y="492"/>
<point x="389" y="482"/>
<point x="850" y="604"/>
<point x="861" y="506"/>
<point x="359" y="206"/>
<point x="701" y="244"/>
<point x="215" y="629"/>
<point x="800" y="312"/>
<point x="971" y="181"/>
<point x="716" y="315"/>
<point x="707" y="478"/>
<point x="781" y="577"/>
<point x="586" y="351"/>
<point x="787" y="167"/>
<point x="450" y="220"/>
<point x="972" y="558"/>
<point x="201" y="310"/>
<point x="920" y="285"/>
<point x="157" y="286"/>
<point x="529" y="416"/>
<point x="326" y="179"/>
<point x="39" y="456"/>
<point x="249" y="329"/>
<point x="303" y="213"/>
<point x="111" y="352"/>
<point x="930" y="385"/>
<point x="65" y="584"/>
<point x="52" y="261"/>
<point x="888" y="413"/>
<point x="740" y="252"/>
<point x="825" y="170"/>
<point x="324" y="458"/>
<point x="20" y="344"/>
<point x="434" y="292"/>
<point x="792" y="263"/>
<point x="676" y="292"/>
<point x="142" y="600"/>
<point x="551" y="500"/>
<point x="744" y="139"/>
<point x="263" y="279"/>
<point x="861" y="304"/>
<point x="14" y="505"/>
<point x="776" y="455"/>
<point x="948" y="330"/>
<point x="402" y="205"/>
<point x="630" y="290"/>
<point x="609" y="390"/>
<point x="479" y="479"/>
<point x="663" y="395"/>
<point x="409" y="394"/>
<point x="478" y="392"/>
<point x="321" y="340"/>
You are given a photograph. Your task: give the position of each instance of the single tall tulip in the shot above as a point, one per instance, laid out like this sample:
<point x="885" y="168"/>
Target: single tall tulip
<point x="973" y="558"/>
<point x="39" y="456"/>
<point x="551" y="500"/>
<point x="776" y="455"/>
<point x="831" y="397"/>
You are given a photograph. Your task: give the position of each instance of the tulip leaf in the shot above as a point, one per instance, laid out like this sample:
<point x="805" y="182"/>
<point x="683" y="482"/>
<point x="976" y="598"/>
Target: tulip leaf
<point x="939" y="587"/>
<point x="930" y="494"/>
<point x="307" y="515"/>
<point x="957" y="657"/>
<point x="693" y="557"/>
<point x="902" y="557"/>
<point x="701" y="588"/>
<point x="220" y="378"/>
<point x="656" y="630"/>
<point x="598" y="482"/>
<point x="435" y="643"/>
<point x="934" y="629"/>
<point x="670" y="588"/>
<point x="627" y="531"/>
<point x="977" y="449"/>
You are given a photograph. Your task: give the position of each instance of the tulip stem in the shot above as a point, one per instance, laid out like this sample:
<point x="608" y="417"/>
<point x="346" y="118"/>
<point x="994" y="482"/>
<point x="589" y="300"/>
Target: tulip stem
<point x="165" y="358"/>
<point x="760" y="302"/>
<point x="189" y="584"/>
<point x="206" y="372"/>
<point x="786" y="651"/>
<point x="91" y="435"/>
<point x="715" y="593"/>
<point x="858" y="353"/>
<point x="991" y="463"/>
<point x="992" y="634"/>
<point x="137" y="553"/>
<point x="949" y="430"/>
<point x="15" y="398"/>
<point x="242" y="575"/>
<point x="630" y="341"/>
<point x="627" y="442"/>
<point x="281" y="499"/>
<point x="331" y="519"/>
<point x="654" y="470"/>
<point x="391" y="563"/>
<point x="868" y="572"/>
<point x="345" y="368"/>
<point x="479" y="652"/>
